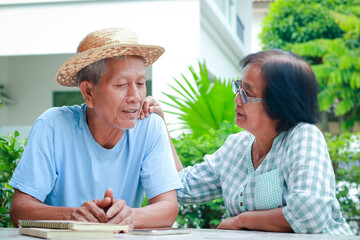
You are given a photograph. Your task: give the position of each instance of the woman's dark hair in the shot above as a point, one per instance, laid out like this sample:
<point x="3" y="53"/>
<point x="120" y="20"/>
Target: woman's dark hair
<point x="290" y="87"/>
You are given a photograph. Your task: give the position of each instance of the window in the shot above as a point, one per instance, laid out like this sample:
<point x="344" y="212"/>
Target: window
<point x="227" y="7"/>
<point x="148" y="87"/>
<point x="222" y="5"/>
<point x="67" y="98"/>
<point x="240" y="29"/>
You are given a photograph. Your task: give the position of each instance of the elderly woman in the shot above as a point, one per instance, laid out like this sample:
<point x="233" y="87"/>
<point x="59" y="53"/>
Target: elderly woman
<point x="276" y="175"/>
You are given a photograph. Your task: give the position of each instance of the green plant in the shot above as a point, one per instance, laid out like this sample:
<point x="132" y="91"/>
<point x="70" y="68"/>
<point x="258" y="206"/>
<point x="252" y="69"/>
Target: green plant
<point x="11" y="150"/>
<point x="191" y="150"/>
<point x="338" y="73"/>
<point x="297" y="21"/>
<point x="344" y="151"/>
<point x="203" y="105"/>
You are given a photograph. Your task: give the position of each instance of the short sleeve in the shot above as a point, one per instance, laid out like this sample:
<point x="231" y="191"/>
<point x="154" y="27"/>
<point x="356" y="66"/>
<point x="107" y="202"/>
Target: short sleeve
<point x="36" y="172"/>
<point x="158" y="171"/>
<point x="310" y="181"/>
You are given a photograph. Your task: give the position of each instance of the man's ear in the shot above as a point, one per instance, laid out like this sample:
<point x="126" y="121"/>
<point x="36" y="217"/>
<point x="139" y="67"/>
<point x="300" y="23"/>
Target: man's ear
<point x="87" y="91"/>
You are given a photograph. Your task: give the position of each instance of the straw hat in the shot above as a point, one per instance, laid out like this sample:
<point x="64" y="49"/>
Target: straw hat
<point x="102" y="44"/>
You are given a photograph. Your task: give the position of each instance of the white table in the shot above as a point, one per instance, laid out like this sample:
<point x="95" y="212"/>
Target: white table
<point x="198" y="234"/>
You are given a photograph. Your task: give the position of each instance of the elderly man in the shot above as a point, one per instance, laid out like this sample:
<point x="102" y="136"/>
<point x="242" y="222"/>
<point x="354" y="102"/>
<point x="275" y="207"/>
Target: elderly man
<point x="95" y="161"/>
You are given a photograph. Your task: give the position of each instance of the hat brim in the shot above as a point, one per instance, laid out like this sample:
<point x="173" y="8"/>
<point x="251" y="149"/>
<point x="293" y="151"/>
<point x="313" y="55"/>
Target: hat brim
<point x="66" y="75"/>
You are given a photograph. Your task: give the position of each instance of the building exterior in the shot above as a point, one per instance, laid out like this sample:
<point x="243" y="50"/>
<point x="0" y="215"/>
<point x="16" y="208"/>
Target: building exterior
<point x="38" y="36"/>
<point x="259" y="12"/>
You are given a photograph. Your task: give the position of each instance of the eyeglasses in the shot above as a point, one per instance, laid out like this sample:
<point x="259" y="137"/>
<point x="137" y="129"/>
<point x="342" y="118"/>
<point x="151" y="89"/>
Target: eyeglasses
<point x="236" y="88"/>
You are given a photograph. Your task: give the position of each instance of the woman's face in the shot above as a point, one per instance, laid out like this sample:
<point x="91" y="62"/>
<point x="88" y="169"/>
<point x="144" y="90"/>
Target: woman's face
<point x="252" y="116"/>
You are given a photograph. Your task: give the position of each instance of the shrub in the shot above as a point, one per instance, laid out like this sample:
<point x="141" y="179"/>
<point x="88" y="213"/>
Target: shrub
<point x="11" y="150"/>
<point x="344" y="151"/>
<point x="297" y="21"/>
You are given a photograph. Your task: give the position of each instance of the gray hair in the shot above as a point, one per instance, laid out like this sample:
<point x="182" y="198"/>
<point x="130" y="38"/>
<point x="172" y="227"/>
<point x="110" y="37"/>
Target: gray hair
<point x="94" y="71"/>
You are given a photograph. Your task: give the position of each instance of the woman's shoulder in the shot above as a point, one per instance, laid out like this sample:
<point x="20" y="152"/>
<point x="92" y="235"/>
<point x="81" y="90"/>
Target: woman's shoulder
<point x="304" y="135"/>
<point x="239" y="138"/>
<point x="304" y="130"/>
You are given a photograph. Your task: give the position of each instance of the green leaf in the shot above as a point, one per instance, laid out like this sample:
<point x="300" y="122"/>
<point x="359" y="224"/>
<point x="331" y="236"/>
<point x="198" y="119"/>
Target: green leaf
<point x="343" y="107"/>
<point x="205" y="106"/>
<point x="356" y="62"/>
<point x="347" y="23"/>
<point x="355" y="80"/>
<point x="345" y="62"/>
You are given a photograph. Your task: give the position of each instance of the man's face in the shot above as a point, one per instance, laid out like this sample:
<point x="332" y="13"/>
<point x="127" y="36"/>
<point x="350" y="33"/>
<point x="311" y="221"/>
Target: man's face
<point x="118" y="96"/>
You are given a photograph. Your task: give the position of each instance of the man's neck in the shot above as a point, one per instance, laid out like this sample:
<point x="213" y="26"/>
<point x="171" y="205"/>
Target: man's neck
<point x="105" y="135"/>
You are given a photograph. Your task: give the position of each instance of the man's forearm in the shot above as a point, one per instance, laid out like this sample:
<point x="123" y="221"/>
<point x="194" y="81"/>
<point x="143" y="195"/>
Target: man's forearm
<point x="24" y="206"/>
<point x="161" y="212"/>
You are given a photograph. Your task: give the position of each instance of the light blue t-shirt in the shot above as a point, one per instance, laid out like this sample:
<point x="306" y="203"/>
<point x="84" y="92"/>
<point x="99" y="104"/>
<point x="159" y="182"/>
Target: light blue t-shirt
<point x="63" y="165"/>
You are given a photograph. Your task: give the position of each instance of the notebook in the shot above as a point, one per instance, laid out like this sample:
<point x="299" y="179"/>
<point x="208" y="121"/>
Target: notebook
<point x="160" y="231"/>
<point x="72" y="225"/>
<point x="64" y="233"/>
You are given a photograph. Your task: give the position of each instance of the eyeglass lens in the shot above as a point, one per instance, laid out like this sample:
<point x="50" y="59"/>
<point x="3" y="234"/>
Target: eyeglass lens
<point x="243" y="96"/>
<point x="237" y="88"/>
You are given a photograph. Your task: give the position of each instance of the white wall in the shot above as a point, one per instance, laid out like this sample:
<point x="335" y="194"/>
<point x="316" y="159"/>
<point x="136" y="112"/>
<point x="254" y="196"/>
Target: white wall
<point x="3" y="81"/>
<point x="244" y="9"/>
<point x="220" y="46"/>
<point x="259" y="13"/>
<point x="56" y="28"/>
<point x="30" y="84"/>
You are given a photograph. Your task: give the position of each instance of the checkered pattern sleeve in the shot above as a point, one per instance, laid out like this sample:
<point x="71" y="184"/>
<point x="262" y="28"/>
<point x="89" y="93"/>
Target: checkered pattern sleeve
<point x="202" y="181"/>
<point x="310" y="181"/>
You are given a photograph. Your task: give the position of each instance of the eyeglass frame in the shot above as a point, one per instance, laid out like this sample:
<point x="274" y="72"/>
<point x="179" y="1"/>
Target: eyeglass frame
<point x="236" y="88"/>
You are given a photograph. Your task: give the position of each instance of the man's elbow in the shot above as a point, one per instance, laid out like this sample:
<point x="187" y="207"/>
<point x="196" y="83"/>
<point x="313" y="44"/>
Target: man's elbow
<point x="172" y="214"/>
<point x="13" y="214"/>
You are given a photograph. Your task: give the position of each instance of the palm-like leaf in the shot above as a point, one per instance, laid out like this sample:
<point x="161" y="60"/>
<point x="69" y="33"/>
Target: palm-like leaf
<point x="202" y="105"/>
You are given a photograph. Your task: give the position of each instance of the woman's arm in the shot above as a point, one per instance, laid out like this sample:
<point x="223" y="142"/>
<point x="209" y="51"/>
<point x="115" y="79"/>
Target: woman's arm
<point x="271" y="220"/>
<point x="178" y="163"/>
<point x="150" y="105"/>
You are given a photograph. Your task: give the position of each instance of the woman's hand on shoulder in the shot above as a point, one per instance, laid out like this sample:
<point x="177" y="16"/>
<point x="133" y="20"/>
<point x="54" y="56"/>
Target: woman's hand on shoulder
<point x="150" y="105"/>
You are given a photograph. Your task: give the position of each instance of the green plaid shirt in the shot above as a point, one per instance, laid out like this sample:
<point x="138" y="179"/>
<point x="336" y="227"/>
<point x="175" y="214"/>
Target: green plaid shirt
<point x="296" y="174"/>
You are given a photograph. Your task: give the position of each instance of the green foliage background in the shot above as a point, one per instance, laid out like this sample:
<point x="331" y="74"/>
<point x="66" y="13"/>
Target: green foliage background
<point x="338" y="73"/>
<point x="297" y="21"/>
<point x="11" y="150"/>
<point x="344" y="151"/>
<point x="201" y="103"/>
